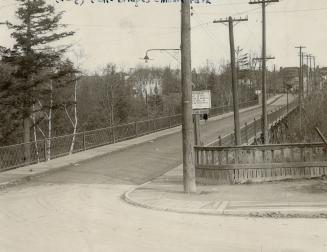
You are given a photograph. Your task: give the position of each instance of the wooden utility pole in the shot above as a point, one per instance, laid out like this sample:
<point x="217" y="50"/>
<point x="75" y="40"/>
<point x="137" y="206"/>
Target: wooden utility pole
<point x="264" y="76"/>
<point x="264" y="104"/>
<point x="308" y="73"/>
<point x="310" y="69"/>
<point x="187" y="122"/>
<point x="301" y="83"/>
<point x="197" y="131"/>
<point x="230" y="22"/>
<point x="314" y="73"/>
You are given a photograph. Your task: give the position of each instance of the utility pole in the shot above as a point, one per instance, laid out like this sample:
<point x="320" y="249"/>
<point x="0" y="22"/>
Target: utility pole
<point x="274" y="82"/>
<point x="264" y="104"/>
<point x="310" y="69"/>
<point x="264" y="76"/>
<point x="301" y="82"/>
<point x="314" y="72"/>
<point x="230" y="22"/>
<point x="308" y="73"/>
<point x="187" y="122"/>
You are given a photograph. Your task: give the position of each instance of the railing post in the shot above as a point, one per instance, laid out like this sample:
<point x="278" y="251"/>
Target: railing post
<point x="246" y="134"/>
<point x="169" y="121"/>
<point x="113" y="134"/>
<point x="84" y="142"/>
<point x="45" y="149"/>
<point x="135" y="125"/>
<point x="255" y="130"/>
<point x="154" y="125"/>
<point x="219" y="141"/>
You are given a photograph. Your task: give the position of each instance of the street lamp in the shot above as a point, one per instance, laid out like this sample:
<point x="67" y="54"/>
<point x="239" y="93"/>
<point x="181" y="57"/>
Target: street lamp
<point x="147" y="58"/>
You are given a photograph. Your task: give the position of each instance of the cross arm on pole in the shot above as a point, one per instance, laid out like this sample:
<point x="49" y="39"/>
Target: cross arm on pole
<point x="267" y="58"/>
<point x="226" y="20"/>
<point x="263" y="1"/>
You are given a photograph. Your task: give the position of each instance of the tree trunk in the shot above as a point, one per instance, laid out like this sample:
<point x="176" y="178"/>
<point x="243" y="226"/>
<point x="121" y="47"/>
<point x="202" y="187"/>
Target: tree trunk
<point x="34" y="135"/>
<point x="75" y="119"/>
<point x="50" y="124"/>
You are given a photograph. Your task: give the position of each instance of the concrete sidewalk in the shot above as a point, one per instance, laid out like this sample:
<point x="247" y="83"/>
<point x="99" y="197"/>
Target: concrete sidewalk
<point x="26" y="173"/>
<point x="289" y="199"/>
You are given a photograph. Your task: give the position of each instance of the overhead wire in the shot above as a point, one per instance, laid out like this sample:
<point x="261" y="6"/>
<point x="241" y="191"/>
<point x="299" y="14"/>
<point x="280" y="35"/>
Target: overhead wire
<point x="212" y="37"/>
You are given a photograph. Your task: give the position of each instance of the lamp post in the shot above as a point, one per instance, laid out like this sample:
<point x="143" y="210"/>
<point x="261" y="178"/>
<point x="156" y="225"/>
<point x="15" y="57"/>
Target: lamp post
<point x="147" y="58"/>
<point x="187" y="121"/>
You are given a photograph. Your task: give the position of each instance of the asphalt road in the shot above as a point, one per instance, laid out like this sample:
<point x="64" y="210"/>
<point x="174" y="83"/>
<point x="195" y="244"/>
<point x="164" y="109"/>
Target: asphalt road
<point x="79" y="208"/>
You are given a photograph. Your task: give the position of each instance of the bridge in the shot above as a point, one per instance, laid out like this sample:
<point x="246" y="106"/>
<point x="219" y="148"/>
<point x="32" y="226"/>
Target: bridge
<point x="75" y="203"/>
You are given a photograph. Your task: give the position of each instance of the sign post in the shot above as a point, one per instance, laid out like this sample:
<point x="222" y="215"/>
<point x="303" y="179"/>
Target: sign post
<point x="201" y="103"/>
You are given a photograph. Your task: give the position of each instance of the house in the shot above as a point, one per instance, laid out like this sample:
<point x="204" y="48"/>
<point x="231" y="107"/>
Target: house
<point x="290" y="76"/>
<point x="145" y="82"/>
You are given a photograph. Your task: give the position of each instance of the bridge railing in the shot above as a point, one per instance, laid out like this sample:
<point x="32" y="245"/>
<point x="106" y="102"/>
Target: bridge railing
<point x="240" y="164"/>
<point x="221" y="162"/>
<point x="15" y="155"/>
<point x="250" y="132"/>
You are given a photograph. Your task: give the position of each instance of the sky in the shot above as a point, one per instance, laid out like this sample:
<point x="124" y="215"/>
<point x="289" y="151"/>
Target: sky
<point x="120" y="33"/>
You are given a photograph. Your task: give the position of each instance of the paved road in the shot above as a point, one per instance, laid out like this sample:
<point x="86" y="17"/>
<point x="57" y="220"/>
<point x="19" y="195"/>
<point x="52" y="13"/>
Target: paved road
<point x="79" y="208"/>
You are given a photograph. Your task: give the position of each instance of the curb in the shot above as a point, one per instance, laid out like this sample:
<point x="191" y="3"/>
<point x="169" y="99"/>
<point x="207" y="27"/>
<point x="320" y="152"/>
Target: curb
<point x="281" y="214"/>
<point x="30" y="177"/>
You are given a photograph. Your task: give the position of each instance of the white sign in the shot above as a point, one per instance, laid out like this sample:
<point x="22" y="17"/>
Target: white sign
<point x="201" y="99"/>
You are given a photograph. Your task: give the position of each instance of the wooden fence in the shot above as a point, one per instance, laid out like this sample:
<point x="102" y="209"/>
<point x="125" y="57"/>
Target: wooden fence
<point x="221" y="165"/>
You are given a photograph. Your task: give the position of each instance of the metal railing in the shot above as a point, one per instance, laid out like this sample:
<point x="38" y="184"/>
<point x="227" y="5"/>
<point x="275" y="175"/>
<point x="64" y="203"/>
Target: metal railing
<point x="250" y="132"/>
<point x="14" y="156"/>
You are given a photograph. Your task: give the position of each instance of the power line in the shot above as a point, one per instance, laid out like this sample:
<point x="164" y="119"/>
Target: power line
<point x="299" y="10"/>
<point x="213" y="38"/>
<point x="247" y="25"/>
<point x="239" y="13"/>
<point x="223" y="4"/>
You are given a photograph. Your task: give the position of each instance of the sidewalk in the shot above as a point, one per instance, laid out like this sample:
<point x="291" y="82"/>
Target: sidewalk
<point x="288" y="199"/>
<point x="26" y="173"/>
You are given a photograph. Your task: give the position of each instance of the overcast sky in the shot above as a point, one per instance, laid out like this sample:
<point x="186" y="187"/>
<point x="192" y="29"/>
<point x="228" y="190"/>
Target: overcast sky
<point x="121" y="33"/>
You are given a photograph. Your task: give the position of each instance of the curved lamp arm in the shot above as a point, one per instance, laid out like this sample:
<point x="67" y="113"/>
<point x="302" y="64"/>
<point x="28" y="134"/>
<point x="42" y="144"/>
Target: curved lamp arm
<point x="146" y="57"/>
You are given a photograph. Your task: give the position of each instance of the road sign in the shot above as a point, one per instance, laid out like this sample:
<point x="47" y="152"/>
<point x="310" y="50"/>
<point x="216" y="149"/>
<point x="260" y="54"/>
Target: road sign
<point x="201" y="99"/>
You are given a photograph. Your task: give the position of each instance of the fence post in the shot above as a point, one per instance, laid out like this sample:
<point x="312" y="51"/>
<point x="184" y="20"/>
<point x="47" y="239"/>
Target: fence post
<point x="169" y="121"/>
<point x="113" y="134"/>
<point x="84" y="143"/>
<point x="246" y="134"/>
<point x="255" y="131"/>
<point x="136" y="133"/>
<point x="45" y="149"/>
<point x="155" y="124"/>
<point x="219" y="141"/>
